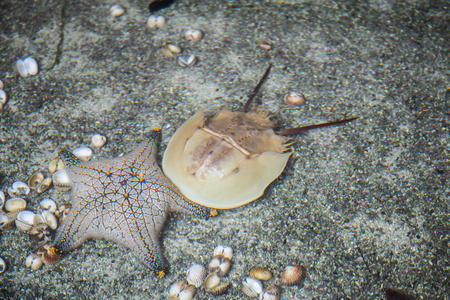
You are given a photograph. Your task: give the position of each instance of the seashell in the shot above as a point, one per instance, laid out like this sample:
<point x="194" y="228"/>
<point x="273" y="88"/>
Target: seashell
<point x="7" y="221"/>
<point x="50" y="219"/>
<point x="187" y="62"/>
<point x="21" y="68"/>
<point x="294" y="99"/>
<point x="25" y="220"/>
<point x="265" y="45"/>
<point x="194" y="35"/>
<point x="176" y="288"/>
<point x="55" y="164"/>
<point x="172" y="47"/>
<point x="49" y="255"/>
<point x="48" y="204"/>
<point x="15" y="204"/>
<point x="61" y="180"/>
<point x="3" y="97"/>
<point x="292" y="275"/>
<point x="40" y="232"/>
<point x="252" y="287"/>
<point x="195" y="275"/>
<point x="227" y="252"/>
<point x="45" y="185"/>
<point x="214" y="285"/>
<point x="2" y="265"/>
<point x="160" y="21"/>
<point x="261" y="273"/>
<point x="98" y="140"/>
<point x="187" y="293"/>
<point x="271" y="293"/>
<point x="31" y="65"/>
<point x="2" y="199"/>
<point x="35" y="180"/>
<point x="116" y="11"/>
<point x="83" y="153"/>
<point x="62" y="211"/>
<point x="33" y="261"/>
<point x="156" y="21"/>
<point x="1" y="85"/>
<point x="18" y="188"/>
<point x="214" y="263"/>
<point x="218" y="251"/>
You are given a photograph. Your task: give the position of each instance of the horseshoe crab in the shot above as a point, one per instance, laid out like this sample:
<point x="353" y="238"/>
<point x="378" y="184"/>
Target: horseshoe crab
<point x="228" y="160"/>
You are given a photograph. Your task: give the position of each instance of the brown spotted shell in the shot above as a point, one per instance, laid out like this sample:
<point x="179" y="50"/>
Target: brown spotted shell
<point x="226" y="161"/>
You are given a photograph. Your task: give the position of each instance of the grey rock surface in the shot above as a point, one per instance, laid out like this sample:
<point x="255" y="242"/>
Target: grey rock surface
<point x="363" y="207"/>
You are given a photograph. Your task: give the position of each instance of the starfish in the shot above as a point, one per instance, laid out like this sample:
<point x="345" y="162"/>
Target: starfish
<point x="125" y="200"/>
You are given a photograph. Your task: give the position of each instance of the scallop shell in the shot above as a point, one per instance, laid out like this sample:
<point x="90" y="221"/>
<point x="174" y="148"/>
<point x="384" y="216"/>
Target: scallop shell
<point x="7" y="220"/>
<point x="220" y="162"/>
<point x="176" y="288"/>
<point x="18" y="188"/>
<point x="252" y="287"/>
<point x="294" y="99"/>
<point x="25" y="220"/>
<point x="261" y="273"/>
<point x="215" y="285"/>
<point x="271" y="293"/>
<point x="62" y="211"/>
<point x="15" y="204"/>
<point x="45" y="185"/>
<point x="195" y="275"/>
<point x="83" y="153"/>
<point x="48" y="204"/>
<point x="292" y="275"/>
<point x="35" y="180"/>
<point x="61" y="180"/>
<point x="2" y="265"/>
<point x="50" y="219"/>
<point x="187" y="293"/>
<point x="55" y="164"/>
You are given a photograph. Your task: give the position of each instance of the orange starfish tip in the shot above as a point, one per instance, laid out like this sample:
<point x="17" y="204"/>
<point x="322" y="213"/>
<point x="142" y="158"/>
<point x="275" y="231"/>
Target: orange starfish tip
<point x="213" y="213"/>
<point x="161" y="274"/>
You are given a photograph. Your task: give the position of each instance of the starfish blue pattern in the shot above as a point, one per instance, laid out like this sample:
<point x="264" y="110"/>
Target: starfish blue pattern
<point x="125" y="200"/>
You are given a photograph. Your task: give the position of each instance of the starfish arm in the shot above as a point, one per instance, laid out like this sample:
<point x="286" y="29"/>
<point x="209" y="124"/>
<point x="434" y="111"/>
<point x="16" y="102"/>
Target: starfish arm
<point x="180" y="204"/>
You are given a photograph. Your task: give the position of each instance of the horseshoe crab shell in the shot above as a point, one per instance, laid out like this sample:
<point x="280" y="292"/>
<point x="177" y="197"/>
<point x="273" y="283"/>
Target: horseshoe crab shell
<point x="226" y="161"/>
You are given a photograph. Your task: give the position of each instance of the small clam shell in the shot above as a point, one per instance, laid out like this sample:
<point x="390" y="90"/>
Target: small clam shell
<point x="227" y="252"/>
<point x="48" y="204"/>
<point x="176" y="288"/>
<point x="271" y="293"/>
<point x="15" y="204"/>
<point x="116" y="11"/>
<point x="98" y="140"/>
<point x="55" y="164"/>
<point x="160" y="21"/>
<point x="35" y="180"/>
<point x="194" y="35"/>
<point x="62" y="211"/>
<point x="292" y="275"/>
<point x="261" y="273"/>
<point x="2" y="265"/>
<point x="196" y="274"/>
<point x="18" y="188"/>
<point x="3" y="220"/>
<point x="156" y="21"/>
<point x="45" y="184"/>
<point x="31" y="65"/>
<point x="25" y="220"/>
<point x="219" y="250"/>
<point x="224" y="267"/>
<point x="252" y="287"/>
<point x="214" y="263"/>
<point x="3" y="97"/>
<point x="2" y="200"/>
<point x="83" y="153"/>
<point x="7" y="221"/>
<point x="265" y="45"/>
<point x="34" y="261"/>
<point x="174" y="48"/>
<point x="61" y="180"/>
<point x="50" y="219"/>
<point x="294" y="99"/>
<point x="187" y="293"/>
<point x="21" y="68"/>
<point x="1" y="85"/>
<point x="215" y="285"/>
<point x="188" y="61"/>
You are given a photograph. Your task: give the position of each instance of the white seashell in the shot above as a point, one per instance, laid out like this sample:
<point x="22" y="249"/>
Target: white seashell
<point x="25" y="220"/>
<point x="3" y="220"/>
<point x="15" y="204"/>
<point x="214" y="263"/>
<point x="1" y="85"/>
<point x="18" y="188"/>
<point x="224" y="267"/>
<point x="35" y="180"/>
<point x="7" y="221"/>
<point x="218" y="251"/>
<point x="2" y="199"/>
<point x="196" y="274"/>
<point x="294" y="99"/>
<point x="50" y="219"/>
<point x="34" y="261"/>
<point x="31" y="65"/>
<point x="194" y="35"/>
<point x="213" y="284"/>
<point x="45" y="184"/>
<point x="3" y="97"/>
<point x="271" y="293"/>
<point x="252" y="287"/>
<point x="98" y="140"/>
<point x="187" y="293"/>
<point x="61" y="180"/>
<point x="176" y="288"/>
<point x="172" y="47"/>
<point x="160" y="21"/>
<point x="116" y="11"/>
<point x="38" y="219"/>
<point x="227" y="252"/>
<point x="48" y="204"/>
<point x="187" y="62"/>
<point x="151" y="22"/>
<point x="2" y="265"/>
<point x="83" y="153"/>
<point x="55" y="164"/>
<point x="21" y="68"/>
